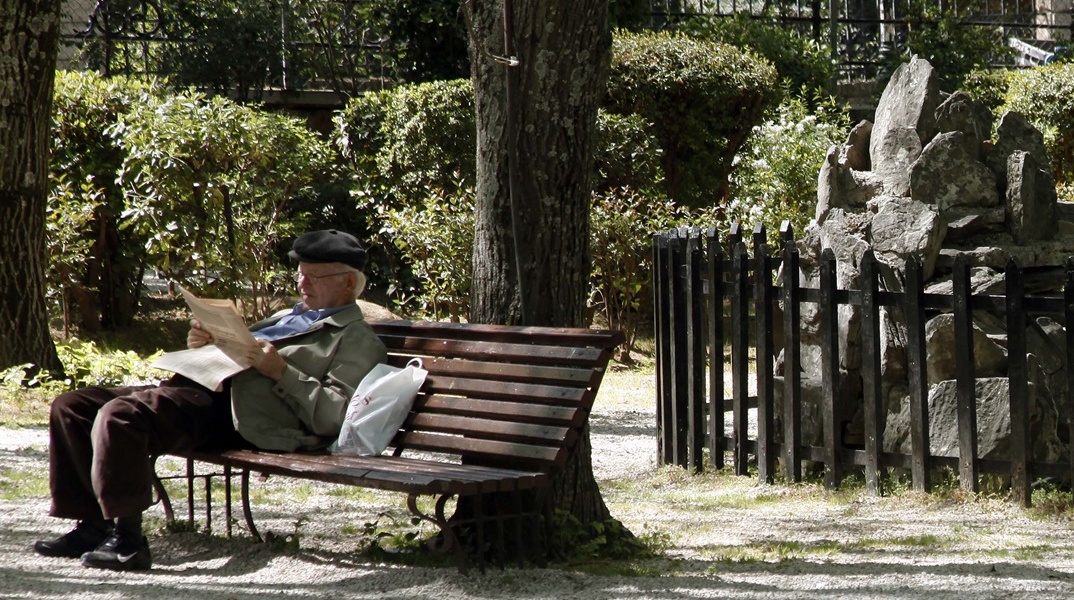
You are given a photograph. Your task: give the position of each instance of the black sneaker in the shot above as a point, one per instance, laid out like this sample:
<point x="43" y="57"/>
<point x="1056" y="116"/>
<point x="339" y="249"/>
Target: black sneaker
<point x="84" y="537"/>
<point x="121" y="552"/>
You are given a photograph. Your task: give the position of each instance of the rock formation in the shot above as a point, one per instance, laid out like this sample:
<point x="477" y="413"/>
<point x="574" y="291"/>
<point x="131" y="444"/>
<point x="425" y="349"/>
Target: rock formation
<point x="927" y="179"/>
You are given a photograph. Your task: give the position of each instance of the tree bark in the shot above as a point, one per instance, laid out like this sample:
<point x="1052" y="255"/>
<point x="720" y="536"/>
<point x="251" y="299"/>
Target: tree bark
<point x="29" y="34"/>
<point x="535" y="135"/>
<point x="543" y="111"/>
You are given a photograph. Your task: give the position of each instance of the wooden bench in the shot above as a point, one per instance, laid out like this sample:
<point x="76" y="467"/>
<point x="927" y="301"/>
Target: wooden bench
<point x="501" y="409"/>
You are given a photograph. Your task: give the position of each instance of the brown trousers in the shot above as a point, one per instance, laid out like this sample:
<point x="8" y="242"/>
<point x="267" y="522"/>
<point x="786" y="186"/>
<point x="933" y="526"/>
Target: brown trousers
<point x="102" y="442"/>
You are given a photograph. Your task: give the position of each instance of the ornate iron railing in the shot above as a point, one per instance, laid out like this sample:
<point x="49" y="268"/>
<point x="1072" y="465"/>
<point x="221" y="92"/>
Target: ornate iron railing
<point x="239" y="46"/>
<point x="861" y="33"/>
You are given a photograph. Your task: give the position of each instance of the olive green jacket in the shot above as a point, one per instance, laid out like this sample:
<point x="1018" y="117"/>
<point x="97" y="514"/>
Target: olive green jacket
<point x="304" y="410"/>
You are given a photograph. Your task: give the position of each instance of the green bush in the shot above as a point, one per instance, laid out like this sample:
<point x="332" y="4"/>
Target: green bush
<point x="410" y="150"/>
<point x="989" y="87"/>
<point x="702" y="99"/>
<point x="437" y="240"/>
<point x="627" y="155"/>
<point x="401" y="141"/>
<point x="227" y="46"/>
<point x="208" y="183"/>
<point x="622" y="225"/>
<point x="1045" y="95"/>
<point x="775" y="176"/>
<point x="86" y="365"/>
<point x="94" y="261"/>
<point x="800" y="61"/>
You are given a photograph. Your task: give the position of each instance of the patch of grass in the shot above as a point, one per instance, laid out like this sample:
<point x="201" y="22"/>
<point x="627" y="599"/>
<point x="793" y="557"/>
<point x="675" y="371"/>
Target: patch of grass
<point x="781" y="550"/>
<point x="301" y="491"/>
<point x="360" y="495"/>
<point x="24" y="407"/>
<point x="626" y="388"/>
<point x="1051" y="502"/>
<point x="20" y="484"/>
<point x="772" y="551"/>
<point x="1030" y="552"/>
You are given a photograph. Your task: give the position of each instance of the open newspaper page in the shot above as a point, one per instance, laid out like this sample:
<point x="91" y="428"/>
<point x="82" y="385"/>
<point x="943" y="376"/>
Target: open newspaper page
<point x="211" y="365"/>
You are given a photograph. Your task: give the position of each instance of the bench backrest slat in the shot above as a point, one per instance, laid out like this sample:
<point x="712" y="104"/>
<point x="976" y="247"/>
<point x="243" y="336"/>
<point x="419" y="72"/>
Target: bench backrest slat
<point x="556" y="336"/>
<point x="515" y="411"/>
<point x="501" y="371"/>
<point x="492" y="429"/>
<point x="531" y="354"/>
<point x="469" y="448"/>
<point x="496" y="390"/>
<point x="513" y="397"/>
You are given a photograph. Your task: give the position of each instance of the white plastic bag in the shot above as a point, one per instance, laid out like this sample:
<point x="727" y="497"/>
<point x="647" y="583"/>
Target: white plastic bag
<point x="378" y="408"/>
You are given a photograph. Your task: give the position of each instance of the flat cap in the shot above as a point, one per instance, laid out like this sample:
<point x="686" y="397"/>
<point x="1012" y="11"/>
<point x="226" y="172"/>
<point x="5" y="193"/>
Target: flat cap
<point x="329" y="245"/>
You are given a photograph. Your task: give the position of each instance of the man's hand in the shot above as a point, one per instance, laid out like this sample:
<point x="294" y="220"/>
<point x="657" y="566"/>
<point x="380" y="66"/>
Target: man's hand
<point x="267" y="361"/>
<point x="197" y="337"/>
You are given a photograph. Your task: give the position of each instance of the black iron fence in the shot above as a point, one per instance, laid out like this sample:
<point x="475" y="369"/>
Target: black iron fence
<point x="861" y="33"/>
<point x="241" y="46"/>
<point x="716" y="318"/>
<point x="327" y="44"/>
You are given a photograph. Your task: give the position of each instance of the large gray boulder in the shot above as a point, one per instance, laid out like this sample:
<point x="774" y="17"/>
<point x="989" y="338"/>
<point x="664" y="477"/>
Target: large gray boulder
<point x="959" y="112"/>
<point x="903" y="228"/>
<point x="989" y="358"/>
<point x="948" y="175"/>
<point x="1031" y="199"/>
<point x="908" y="104"/>
<point x="1014" y="133"/>
<point x="993" y="421"/>
<point x="840" y="186"/>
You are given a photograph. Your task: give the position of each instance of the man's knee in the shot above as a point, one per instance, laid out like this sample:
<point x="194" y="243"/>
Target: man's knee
<point x="71" y="403"/>
<point x="118" y="411"/>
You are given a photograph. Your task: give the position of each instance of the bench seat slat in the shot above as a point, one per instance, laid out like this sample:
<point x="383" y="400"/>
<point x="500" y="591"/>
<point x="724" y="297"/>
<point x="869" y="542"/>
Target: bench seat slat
<point x="380" y="472"/>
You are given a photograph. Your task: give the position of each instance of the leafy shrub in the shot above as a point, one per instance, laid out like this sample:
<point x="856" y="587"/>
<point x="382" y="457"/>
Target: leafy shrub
<point x="230" y="46"/>
<point x="775" y="176"/>
<point x="403" y="140"/>
<point x="702" y="99"/>
<point x="1045" y="95"/>
<point x="954" y="48"/>
<point x="800" y="61"/>
<point x="622" y="225"/>
<point x="989" y="87"/>
<point x="627" y="155"/>
<point x="94" y="269"/>
<point x="86" y="365"/>
<point x="208" y="182"/>
<point x="437" y="240"/>
<point x="424" y="40"/>
<point x="411" y="150"/>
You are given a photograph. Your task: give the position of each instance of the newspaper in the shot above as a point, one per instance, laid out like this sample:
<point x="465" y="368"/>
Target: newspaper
<point x="210" y="365"/>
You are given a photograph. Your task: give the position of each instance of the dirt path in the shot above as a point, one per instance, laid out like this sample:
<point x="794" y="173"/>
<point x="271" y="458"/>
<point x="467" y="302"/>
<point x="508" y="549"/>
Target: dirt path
<point x="733" y="540"/>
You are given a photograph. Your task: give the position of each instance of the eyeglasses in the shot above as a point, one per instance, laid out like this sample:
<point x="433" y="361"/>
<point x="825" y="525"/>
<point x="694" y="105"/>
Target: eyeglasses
<point x="314" y="279"/>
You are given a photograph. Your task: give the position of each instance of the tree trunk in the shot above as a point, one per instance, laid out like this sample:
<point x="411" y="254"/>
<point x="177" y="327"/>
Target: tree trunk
<point x="544" y="112"/>
<point x="29" y="34"/>
<point x="535" y="126"/>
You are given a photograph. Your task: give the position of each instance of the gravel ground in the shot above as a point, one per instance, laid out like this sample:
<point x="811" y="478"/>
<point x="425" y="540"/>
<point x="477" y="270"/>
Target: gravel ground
<point x="806" y="547"/>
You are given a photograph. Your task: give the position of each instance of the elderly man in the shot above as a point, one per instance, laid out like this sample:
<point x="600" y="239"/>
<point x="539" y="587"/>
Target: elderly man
<point x="293" y="397"/>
